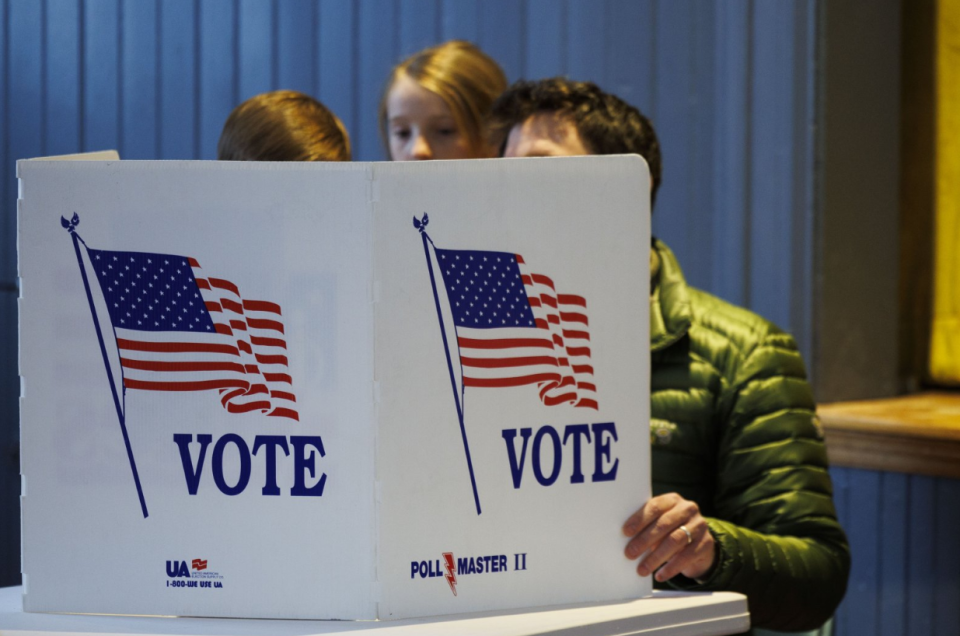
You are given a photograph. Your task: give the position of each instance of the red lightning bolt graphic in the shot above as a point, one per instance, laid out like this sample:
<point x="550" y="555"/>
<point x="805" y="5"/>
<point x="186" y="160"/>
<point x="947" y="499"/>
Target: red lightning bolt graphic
<point x="450" y="576"/>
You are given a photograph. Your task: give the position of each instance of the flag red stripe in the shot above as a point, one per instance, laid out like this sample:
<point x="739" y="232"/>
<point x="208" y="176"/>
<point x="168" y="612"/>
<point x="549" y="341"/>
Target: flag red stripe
<point x="193" y="263"/>
<point x="542" y="324"/>
<point x="550" y="301"/>
<point x="232" y="305"/>
<point x="553" y="400"/>
<point x="283" y="395"/>
<point x="224" y="329"/>
<point x="579" y="351"/>
<point x="553" y="319"/>
<point x="499" y="363"/>
<point x="583" y="368"/>
<point x="569" y="333"/>
<point x="268" y="342"/>
<point x="258" y="323"/>
<point x="505" y="382"/>
<point x="586" y="402"/>
<point x="572" y="317"/>
<point x="587" y="386"/>
<point x="219" y="283"/>
<point x="244" y="346"/>
<point x="261" y="405"/>
<point x="205" y="385"/>
<point x="505" y="343"/>
<point x="281" y="412"/>
<point x="149" y="365"/>
<point x="277" y="377"/>
<point x="239" y="325"/>
<point x="534" y="301"/>
<point x="262" y="359"/>
<point x="525" y="279"/>
<point x="176" y="347"/>
<point x="262" y="305"/>
<point x="202" y="283"/>
<point x="543" y="280"/>
<point x="520" y="259"/>
<point x="570" y="299"/>
<point x="212" y="306"/>
<point x="252" y="368"/>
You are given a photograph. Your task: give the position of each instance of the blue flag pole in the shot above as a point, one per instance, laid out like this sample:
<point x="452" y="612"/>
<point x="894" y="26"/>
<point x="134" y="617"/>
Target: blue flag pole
<point x="71" y="226"/>
<point x="422" y="226"/>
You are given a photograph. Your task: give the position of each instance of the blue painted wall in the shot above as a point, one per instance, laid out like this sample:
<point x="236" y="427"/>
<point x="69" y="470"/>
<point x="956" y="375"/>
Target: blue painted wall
<point x="729" y="86"/>
<point x="905" y="573"/>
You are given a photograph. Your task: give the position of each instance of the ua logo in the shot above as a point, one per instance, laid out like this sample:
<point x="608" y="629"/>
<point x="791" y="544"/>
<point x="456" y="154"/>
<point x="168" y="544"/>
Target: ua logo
<point x="177" y="568"/>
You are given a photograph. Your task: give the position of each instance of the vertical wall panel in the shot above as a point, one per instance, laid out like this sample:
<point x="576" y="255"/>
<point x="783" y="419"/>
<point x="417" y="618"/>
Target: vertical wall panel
<point x="139" y="78"/>
<point x="62" y="116"/>
<point x="921" y="556"/>
<point x="336" y="65"/>
<point x="586" y="41"/>
<point x="9" y="442"/>
<point x="295" y="38"/>
<point x="892" y="529"/>
<point x="675" y="47"/>
<point x="101" y="97"/>
<point x="772" y="153"/>
<point x="218" y="86"/>
<point x="946" y="571"/>
<point x="841" y="497"/>
<point x="803" y="199"/>
<point x="378" y="54"/>
<point x="631" y="59"/>
<point x="7" y="241"/>
<point x="461" y="20"/>
<point x="419" y="25"/>
<point x="256" y="48"/>
<point x="178" y="122"/>
<point x="731" y="139"/>
<point x="546" y="39"/>
<point x="863" y="523"/>
<point x="502" y="25"/>
<point x="24" y="126"/>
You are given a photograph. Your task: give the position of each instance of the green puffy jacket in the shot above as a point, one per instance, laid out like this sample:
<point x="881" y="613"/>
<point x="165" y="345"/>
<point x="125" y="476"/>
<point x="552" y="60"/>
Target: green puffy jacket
<point x="733" y="428"/>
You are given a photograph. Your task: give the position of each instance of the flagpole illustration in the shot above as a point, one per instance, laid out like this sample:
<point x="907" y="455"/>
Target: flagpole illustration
<point x="421" y="225"/>
<point x="71" y="227"/>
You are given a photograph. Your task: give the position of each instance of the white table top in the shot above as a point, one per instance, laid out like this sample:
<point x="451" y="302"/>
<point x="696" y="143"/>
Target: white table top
<point x="665" y="613"/>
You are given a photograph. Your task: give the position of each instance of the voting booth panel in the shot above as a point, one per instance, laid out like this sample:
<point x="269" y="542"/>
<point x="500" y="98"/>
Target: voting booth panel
<point x="345" y="391"/>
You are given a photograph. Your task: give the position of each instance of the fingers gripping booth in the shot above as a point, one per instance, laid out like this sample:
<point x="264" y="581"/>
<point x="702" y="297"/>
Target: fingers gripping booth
<point x="347" y="391"/>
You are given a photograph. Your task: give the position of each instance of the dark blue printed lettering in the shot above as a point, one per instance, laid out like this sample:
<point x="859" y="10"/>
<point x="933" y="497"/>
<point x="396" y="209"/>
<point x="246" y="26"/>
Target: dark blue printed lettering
<point x="304" y="463"/>
<point x="192" y="474"/>
<point x="516" y="467"/>
<point x="557" y="456"/>
<point x="244" y="452"/>
<point x="601" y="451"/>
<point x="576" y="431"/>
<point x="271" y="442"/>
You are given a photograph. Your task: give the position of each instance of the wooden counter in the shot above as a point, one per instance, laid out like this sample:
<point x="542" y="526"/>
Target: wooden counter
<point x="918" y="434"/>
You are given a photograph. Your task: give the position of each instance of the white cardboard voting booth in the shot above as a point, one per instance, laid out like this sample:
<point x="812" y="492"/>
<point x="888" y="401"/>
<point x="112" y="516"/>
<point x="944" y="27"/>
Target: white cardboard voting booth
<point x="347" y="391"/>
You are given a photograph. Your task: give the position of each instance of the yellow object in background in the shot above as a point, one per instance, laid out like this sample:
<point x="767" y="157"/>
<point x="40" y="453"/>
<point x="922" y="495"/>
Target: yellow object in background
<point x="945" y="332"/>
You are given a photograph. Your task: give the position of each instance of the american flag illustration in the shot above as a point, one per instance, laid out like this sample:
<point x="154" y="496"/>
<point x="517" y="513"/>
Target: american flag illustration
<point x="514" y="328"/>
<point x="178" y="329"/>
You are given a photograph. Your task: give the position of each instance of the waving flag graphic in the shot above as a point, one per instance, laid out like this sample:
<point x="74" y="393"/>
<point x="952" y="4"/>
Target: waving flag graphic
<point x="514" y="329"/>
<point x="177" y="329"/>
<point x="511" y="329"/>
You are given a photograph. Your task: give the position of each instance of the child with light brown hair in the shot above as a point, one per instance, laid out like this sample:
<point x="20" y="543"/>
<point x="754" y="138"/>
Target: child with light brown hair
<point x="436" y="104"/>
<point x="283" y="126"/>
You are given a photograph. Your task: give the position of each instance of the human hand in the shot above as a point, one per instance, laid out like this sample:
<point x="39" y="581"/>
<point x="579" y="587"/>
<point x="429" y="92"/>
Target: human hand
<point x="673" y="533"/>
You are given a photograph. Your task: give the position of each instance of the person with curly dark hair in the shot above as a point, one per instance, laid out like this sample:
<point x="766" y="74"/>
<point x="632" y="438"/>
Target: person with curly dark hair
<point x="742" y="500"/>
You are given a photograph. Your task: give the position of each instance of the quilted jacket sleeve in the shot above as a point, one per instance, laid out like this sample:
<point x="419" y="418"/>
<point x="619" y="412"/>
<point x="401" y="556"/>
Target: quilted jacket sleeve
<point x="776" y="528"/>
